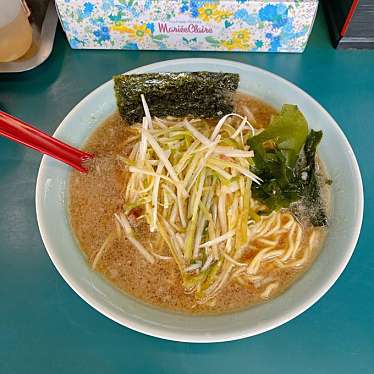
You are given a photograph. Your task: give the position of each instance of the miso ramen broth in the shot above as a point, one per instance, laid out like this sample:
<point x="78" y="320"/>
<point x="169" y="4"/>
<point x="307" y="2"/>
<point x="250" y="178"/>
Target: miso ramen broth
<point x="97" y="196"/>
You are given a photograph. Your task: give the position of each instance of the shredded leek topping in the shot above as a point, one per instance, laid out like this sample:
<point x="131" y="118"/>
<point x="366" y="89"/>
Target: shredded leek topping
<point x="192" y="181"/>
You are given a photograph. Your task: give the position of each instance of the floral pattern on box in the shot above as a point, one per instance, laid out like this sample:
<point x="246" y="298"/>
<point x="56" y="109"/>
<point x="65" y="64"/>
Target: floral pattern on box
<point x="226" y="25"/>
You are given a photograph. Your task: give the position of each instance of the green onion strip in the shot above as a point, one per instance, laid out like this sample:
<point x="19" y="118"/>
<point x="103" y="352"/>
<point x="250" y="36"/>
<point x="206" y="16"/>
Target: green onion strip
<point x="193" y="183"/>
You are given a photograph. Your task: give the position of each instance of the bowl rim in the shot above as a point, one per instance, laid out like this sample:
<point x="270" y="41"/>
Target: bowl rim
<point x="218" y="337"/>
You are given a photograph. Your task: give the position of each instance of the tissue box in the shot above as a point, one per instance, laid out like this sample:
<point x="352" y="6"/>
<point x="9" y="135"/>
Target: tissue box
<point x="205" y="25"/>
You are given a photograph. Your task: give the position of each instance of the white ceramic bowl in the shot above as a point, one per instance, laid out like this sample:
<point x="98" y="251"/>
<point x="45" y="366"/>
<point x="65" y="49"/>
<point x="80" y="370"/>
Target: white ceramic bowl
<point x="347" y="211"/>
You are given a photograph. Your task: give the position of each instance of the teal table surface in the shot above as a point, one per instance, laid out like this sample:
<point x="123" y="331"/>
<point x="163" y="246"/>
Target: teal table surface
<point x="46" y="328"/>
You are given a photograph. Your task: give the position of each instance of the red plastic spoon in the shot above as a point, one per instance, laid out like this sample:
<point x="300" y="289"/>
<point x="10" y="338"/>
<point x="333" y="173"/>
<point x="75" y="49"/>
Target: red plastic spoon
<point x="19" y="131"/>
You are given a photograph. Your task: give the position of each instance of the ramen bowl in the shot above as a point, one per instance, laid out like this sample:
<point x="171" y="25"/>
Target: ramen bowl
<point x="343" y="232"/>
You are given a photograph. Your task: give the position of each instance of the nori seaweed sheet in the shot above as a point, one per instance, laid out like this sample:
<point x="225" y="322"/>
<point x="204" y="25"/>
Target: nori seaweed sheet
<point x="200" y="94"/>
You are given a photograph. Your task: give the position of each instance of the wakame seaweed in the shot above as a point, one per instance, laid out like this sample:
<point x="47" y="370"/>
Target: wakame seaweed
<point x="276" y="151"/>
<point x="285" y="161"/>
<point x="200" y="94"/>
<point x="310" y="190"/>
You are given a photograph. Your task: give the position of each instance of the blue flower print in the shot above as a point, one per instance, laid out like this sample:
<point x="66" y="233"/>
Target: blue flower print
<point x="151" y="26"/>
<point x="132" y="46"/>
<point x="194" y="12"/>
<point x="106" y="6"/>
<point x="289" y="33"/>
<point x="275" y="42"/>
<point x="66" y="26"/>
<point x="102" y="34"/>
<point x="87" y="9"/>
<point x="148" y="4"/>
<point x="128" y="8"/>
<point x="276" y="14"/>
<point x="243" y="15"/>
<point x="99" y="22"/>
<point x="76" y="43"/>
<point x="194" y="5"/>
<point x="184" y="8"/>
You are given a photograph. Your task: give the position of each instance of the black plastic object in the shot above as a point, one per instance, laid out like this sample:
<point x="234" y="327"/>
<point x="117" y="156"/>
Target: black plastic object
<point x="351" y="23"/>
